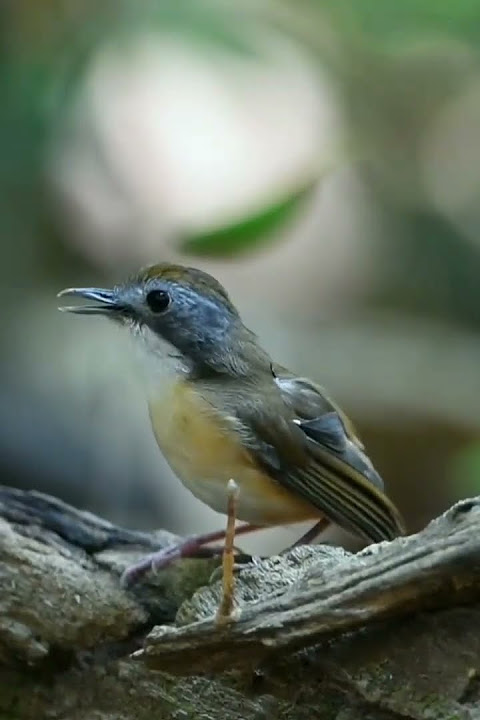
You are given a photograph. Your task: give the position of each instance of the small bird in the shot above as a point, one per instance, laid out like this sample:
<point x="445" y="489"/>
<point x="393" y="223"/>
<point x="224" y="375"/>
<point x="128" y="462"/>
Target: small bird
<point x="242" y="433"/>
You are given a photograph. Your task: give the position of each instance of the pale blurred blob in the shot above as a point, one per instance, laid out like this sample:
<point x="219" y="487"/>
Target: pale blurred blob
<point x="181" y="139"/>
<point x="451" y="159"/>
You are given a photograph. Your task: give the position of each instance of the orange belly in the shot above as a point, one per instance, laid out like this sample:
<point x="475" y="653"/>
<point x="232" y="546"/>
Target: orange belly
<point x="205" y="454"/>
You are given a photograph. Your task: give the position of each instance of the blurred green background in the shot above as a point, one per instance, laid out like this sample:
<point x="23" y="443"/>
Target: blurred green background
<point x="321" y="159"/>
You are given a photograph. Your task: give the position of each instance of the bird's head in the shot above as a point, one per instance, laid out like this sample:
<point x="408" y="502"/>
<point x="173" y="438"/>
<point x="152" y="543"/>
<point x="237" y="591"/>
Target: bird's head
<point x="182" y="306"/>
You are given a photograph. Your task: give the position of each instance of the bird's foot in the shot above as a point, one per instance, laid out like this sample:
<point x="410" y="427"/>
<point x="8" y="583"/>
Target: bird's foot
<point x="163" y="558"/>
<point x="193" y="546"/>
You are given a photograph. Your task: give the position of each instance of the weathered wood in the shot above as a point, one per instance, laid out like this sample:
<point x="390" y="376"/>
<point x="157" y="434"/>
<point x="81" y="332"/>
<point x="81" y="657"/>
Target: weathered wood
<point x="391" y="632"/>
<point x="333" y="593"/>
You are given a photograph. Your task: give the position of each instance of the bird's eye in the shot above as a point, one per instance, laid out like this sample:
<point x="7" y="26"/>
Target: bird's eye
<point x="158" y="300"/>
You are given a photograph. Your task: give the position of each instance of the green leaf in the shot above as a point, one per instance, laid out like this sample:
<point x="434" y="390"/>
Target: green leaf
<point x="465" y="471"/>
<point x="251" y="232"/>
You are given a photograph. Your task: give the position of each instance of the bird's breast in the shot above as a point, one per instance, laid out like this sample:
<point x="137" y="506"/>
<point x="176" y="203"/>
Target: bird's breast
<point x="204" y="449"/>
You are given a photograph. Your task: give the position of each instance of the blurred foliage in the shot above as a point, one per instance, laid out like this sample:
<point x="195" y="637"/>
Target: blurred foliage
<point x="391" y="22"/>
<point x="432" y="272"/>
<point x="466" y="470"/>
<point x="48" y="46"/>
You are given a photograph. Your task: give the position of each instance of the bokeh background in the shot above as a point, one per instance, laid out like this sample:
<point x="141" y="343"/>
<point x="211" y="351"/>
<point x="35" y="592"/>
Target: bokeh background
<point x="321" y="159"/>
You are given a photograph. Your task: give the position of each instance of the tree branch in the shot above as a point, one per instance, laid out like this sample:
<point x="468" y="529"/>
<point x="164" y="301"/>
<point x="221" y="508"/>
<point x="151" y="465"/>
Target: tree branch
<point x="335" y="593"/>
<point x="390" y="632"/>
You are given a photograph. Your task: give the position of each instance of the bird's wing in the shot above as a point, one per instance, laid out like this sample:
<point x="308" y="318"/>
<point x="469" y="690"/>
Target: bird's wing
<point x="307" y="448"/>
<point x="312" y="399"/>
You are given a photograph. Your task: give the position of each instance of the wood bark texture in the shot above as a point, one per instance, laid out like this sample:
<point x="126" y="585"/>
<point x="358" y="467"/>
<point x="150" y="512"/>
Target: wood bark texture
<point x="388" y="633"/>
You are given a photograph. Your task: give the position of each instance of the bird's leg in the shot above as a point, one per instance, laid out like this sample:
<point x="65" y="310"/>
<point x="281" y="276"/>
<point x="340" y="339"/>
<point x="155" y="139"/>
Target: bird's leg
<point x="224" y="612"/>
<point x="192" y="546"/>
<point x="311" y="534"/>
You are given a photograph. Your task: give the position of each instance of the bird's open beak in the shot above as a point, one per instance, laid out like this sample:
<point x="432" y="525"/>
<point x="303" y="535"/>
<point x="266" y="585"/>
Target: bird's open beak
<point x="106" y="301"/>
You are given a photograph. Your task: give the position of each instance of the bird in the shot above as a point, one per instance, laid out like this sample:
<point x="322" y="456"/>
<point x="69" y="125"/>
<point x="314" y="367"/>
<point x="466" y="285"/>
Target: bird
<point x="243" y="433"/>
